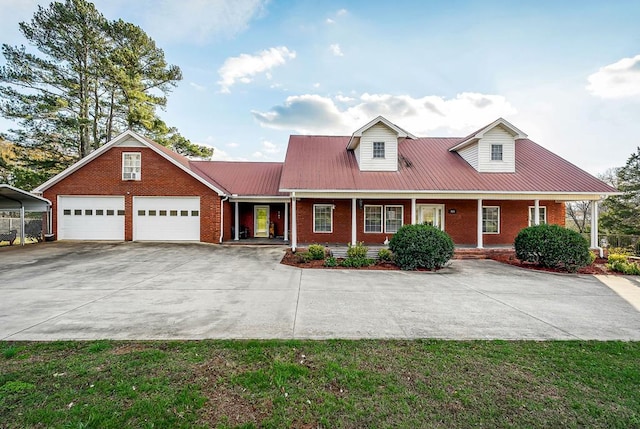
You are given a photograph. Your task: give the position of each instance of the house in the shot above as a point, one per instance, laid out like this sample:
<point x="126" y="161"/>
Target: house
<point x="481" y="189"/>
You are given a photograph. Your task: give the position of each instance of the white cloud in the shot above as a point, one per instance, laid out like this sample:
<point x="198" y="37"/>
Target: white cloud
<point x="221" y="155"/>
<point x="316" y="85"/>
<point x="258" y="155"/>
<point x="269" y="147"/>
<point x="315" y="114"/>
<point x="342" y="12"/>
<point x="343" y="99"/>
<point x="618" y="80"/>
<point x="244" y="67"/>
<point x="330" y="21"/>
<point x="336" y="50"/>
<point x="197" y="87"/>
<point x="199" y="20"/>
<point x="233" y="144"/>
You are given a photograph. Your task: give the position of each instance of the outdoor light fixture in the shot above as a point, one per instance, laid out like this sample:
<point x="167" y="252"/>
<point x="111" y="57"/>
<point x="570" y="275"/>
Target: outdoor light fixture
<point x="360" y="204"/>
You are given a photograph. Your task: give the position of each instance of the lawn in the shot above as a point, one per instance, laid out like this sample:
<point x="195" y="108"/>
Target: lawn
<point x="309" y="384"/>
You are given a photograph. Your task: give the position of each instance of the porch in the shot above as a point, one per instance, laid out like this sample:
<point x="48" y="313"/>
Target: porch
<point x="258" y="221"/>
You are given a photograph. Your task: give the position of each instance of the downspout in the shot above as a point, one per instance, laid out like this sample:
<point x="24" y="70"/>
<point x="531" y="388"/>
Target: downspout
<point x="226" y="198"/>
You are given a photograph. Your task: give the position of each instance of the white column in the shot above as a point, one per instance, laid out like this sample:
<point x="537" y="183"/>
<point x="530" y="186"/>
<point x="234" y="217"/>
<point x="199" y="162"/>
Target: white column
<point x="480" y="244"/>
<point x="236" y="224"/>
<point x="594" y="224"/>
<point x="294" y="232"/>
<point x="413" y="211"/>
<point x="536" y="214"/>
<point x="286" y="221"/>
<point x="21" y="224"/>
<point x="354" y="226"/>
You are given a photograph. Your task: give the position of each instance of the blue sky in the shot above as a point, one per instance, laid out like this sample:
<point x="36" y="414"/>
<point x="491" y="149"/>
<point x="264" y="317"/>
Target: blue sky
<point x="567" y="73"/>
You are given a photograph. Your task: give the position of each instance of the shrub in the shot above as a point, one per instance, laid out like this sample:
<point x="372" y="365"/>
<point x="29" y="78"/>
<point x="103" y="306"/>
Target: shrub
<point x="358" y="250"/>
<point x="330" y="262"/>
<point x="316" y="251"/>
<point x="385" y="255"/>
<point x="552" y="246"/>
<point x="621" y="264"/>
<point x="356" y="262"/>
<point x="304" y="257"/>
<point x="421" y="246"/>
<point x="636" y="248"/>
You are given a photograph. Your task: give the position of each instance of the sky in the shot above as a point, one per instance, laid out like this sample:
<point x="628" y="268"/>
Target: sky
<point x="566" y="73"/>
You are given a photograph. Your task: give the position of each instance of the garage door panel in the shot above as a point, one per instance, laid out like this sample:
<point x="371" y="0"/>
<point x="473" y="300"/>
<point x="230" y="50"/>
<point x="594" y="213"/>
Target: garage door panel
<point x="90" y="218"/>
<point x="166" y="218"/>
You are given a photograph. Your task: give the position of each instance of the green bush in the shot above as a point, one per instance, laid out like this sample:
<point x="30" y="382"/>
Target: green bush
<point x="316" y="251"/>
<point x="636" y="248"/>
<point x="358" y="250"/>
<point x="385" y="255"/>
<point x="621" y="264"/>
<point x="304" y="257"/>
<point x="330" y="262"/>
<point x="421" y="246"/>
<point x="552" y="246"/>
<point x="356" y="262"/>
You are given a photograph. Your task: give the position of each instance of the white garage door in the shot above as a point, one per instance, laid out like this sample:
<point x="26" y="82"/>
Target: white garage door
<point x="90" y="218"/>
<point x="166" y="218"/>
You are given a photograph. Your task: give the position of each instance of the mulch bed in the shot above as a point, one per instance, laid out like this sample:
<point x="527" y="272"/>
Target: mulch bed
<point x="598" y="267"/>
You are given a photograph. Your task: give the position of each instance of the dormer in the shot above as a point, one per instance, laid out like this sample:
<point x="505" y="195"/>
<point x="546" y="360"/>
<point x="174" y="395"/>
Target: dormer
<point x="491" y="149"/>
<point x="375" y="145"/>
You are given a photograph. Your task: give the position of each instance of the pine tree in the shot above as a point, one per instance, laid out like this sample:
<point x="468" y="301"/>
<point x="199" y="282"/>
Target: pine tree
<point x="622" y="212"/>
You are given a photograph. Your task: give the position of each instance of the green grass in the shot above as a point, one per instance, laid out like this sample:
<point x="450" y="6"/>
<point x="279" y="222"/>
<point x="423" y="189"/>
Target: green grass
<point x="281" y="384"/>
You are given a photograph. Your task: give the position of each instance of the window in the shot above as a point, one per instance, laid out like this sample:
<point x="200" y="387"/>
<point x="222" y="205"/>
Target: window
<point x="195" y="213"/>
<point x="173" y="212"/>
<point x="542" y="213"/>
<point x="110" y="212"/>
<point x="372" y="218"/>
<point x="491" y="220"/>
<point x="393" y="218"/>
<point x="152" y="212"/>
<point x="184" y="212"/>
<point x="67" y="212"/>
<point x="378" y="149"/>
<point x="120" y="212"/>
<point x="77" y="212"/>
<point x="88" y="212"/>
<point x="99" y="212"/>
<point x="141" y="212"/>
<point x="496" y="152"/>
<point x="131" y="162"/>
<point x="163" y="212"/>
<point x="322" y="218"/>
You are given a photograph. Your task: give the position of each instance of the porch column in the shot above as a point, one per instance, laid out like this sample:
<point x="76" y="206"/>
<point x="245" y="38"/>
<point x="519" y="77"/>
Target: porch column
<point x="236" y="223"/>
<point x="413" y="211"/>
<point x="294" y="233"/>
<point x="594" y="224"/>
<point x="354" y="236"/>
<point x="286" y="221"/>
<point x="480" y="244"/>
<point x="22" y="224"/>
<point x="536" y="214"/>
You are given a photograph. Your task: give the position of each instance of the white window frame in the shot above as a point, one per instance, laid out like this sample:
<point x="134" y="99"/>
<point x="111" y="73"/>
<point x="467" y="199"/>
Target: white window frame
<point x="484" y="220"/>
<point x="364" y="226"/>
<point x="532" y="213"/>
<point x="501" y="152"/>
<point x="330" y="207"/>
<point x="373" y="150"/>
<point x="132" y="169"/>
<point x="395" y="206"/>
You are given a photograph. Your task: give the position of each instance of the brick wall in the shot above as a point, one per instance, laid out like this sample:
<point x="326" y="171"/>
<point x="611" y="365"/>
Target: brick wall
<point x="460" y="220"/>
<point x="103" y="176"/>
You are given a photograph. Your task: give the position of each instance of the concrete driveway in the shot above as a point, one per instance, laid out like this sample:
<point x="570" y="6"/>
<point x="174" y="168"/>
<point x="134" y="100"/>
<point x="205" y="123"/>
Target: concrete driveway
<point x="191" y="291"/>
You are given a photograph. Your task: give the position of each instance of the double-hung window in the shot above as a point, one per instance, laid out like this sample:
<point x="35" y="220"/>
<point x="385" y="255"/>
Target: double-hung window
<point x="131" y="165"/>
<point x="372" y="218"/>
<point x="496" y="152"/>
<point x="491" y="220"/>
<point x="378" y="149"/>
<point x="392" y="218"/>
<point x="542" y="213"/>
<point x="322" y="218"/>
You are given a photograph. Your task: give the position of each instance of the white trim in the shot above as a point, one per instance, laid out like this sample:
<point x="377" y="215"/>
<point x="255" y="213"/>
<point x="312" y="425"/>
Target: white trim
<point x="444" y="194"/>
<point x="442" y="213"/>
<point x="286" y="222"/>
<point x="364" y="219"/>
<point x="331" y="206"/>
<point x="384" y="219"/>
<point x="96" y="153"/>
<point x="255" y="220"/>
<point x="259" y="199"/>
<point x="137" y="175"/>
<point x="355" y="137"/>
<point x="499" y="220"/>
<point x="354" y="221"/>
<point x="517" y="134"/>
<point x="294" y="223"/>
<point x="236" y="222"/>
<point x="479" y="236"/>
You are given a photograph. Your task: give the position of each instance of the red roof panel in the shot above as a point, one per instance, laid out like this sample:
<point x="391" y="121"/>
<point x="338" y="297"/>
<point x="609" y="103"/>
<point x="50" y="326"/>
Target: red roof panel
<point x="243" y="178"/>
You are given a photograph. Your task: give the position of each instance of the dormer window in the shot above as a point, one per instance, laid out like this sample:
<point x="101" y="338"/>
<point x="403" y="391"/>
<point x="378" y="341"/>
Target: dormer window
<point x="378" y="149"/>
<point x="496" y="152"/>
<point x="131" y="165"/>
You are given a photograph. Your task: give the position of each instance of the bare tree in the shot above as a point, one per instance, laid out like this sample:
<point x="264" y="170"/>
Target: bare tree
<point x="580" y="213"/>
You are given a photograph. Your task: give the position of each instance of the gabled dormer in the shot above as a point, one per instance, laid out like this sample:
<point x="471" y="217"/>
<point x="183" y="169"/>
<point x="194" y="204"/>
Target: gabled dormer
<point x="375" y="145"/>
<point x="491" y="149"/>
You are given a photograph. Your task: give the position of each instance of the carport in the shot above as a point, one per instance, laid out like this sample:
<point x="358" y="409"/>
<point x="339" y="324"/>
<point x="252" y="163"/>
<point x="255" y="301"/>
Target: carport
<point x="15" y="199"/>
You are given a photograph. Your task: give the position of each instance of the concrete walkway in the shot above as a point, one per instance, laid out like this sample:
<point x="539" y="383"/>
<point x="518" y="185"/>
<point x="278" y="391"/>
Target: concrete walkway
<point x="191" y="291"/>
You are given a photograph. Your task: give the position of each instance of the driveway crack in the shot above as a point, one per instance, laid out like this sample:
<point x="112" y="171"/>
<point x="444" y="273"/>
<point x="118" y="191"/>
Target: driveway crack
<point x="295" y="315"/>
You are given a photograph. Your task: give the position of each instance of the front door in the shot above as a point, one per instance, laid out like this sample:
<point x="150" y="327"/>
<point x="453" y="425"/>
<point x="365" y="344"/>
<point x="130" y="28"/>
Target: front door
<point x="261" y="221"/>
<point x="431" y="214"/>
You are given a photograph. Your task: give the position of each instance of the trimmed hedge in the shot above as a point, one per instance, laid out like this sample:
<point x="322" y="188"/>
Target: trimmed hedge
<point x="421" y="246"/>
<point x="553" y="246"/>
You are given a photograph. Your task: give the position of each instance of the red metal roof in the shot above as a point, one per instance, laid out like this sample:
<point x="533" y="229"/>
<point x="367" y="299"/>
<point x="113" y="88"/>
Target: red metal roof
<point x="242" y="178"/>
<point x="425" y="164"/>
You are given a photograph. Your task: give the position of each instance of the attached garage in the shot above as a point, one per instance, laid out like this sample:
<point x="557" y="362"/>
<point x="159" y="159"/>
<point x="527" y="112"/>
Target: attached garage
<point x="90" y="218"/>
<point x="166" y="218"/>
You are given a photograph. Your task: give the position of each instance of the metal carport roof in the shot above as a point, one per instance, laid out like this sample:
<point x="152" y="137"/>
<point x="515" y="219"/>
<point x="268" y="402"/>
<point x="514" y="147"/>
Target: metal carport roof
<point x="12" y="198"/>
